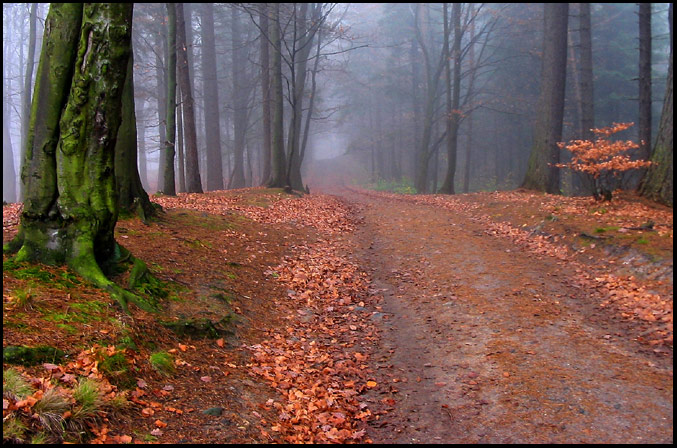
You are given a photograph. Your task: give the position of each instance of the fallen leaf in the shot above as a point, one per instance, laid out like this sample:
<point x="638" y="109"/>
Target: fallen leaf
<point x="160" y="424"/>
<point x="372" y="383"/>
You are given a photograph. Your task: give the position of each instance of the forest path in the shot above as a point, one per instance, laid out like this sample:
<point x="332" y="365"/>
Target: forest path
<point x="485" y="343"/>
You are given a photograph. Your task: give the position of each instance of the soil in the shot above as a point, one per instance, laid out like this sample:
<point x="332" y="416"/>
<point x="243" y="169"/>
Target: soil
<point x="420" y="323"/>
<point x="492" y="344"/>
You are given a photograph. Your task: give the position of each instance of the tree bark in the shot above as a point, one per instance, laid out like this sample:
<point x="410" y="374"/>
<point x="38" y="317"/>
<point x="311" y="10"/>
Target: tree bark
<point x="28" y="81"/>
<point x="644" y="121"/>
<point x="265" y="91"/>
<point x="453" y="98"/>
<point x="541" y="173"/>
<point x="214" y="179"/>
<point x="161" y="81"/>
<point x="237" y="177"/>
<point x="71" y="204"/>
<point x="193" y="181"/>
<point x="170" y="120"/>
<point x="132" y="198"/>
<point x="278" y="174"/>
<point x="657" y="183"/>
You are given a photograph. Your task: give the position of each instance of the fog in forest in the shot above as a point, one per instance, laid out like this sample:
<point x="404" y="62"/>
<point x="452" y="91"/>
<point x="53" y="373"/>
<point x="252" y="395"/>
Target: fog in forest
<point x="414" y="96"/>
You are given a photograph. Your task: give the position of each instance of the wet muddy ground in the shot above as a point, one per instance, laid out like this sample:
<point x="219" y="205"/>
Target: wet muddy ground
<point x="485" y="343"/>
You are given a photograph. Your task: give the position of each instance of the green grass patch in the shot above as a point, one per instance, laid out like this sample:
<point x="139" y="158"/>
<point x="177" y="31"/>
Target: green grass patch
<point x="117" y="370"/>
<point x="162" y="362"/>
<point x="14" y="385"/>
<point x="89" y="399"/>
<point x="606" y="229"/>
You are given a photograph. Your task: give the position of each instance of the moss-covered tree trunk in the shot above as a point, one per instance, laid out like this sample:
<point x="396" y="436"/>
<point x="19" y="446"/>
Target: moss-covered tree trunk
<point x="70" y="207"/>
<point x="657" y="183"/>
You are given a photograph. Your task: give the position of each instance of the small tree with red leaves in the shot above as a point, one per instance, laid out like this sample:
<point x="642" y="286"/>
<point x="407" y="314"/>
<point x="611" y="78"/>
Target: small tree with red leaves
<point x="602" y="158"/>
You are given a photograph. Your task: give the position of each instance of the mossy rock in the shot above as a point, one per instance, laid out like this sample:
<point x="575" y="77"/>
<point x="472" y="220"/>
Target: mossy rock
<point x="30" y="356"/>
<point x="201" y="327"/>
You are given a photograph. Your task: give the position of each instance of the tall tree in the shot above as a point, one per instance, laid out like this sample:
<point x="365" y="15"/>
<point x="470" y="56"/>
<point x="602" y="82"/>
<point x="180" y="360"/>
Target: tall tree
<point x="70" y="208"/>
<point x="161" y="95"/>
<point x="193" y="181"/>
<point x="644" y="121"/>
<point x="28" y="80"/>
<point x="453" y="96"/>
<point x="657" y="183"/>
<point x="9" y="177"/>
<point x="306" y="24"/>
<point x="541" y="173"/>
<point x="237" y="177"/>
<point x="210" y="97"/>
<point x="433" y="70"/>
<point x="169" y="181"/>
<point x="278" y="166"/>
<point x="265" y="91"/>
<point x="132" y="198"/>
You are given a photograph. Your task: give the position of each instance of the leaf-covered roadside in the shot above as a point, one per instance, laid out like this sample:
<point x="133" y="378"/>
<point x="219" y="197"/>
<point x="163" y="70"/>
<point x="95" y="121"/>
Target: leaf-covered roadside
<point x="318" y="361"/>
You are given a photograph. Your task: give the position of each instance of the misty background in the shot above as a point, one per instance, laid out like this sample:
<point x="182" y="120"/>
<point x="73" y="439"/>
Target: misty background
<point x="371" y="82"/>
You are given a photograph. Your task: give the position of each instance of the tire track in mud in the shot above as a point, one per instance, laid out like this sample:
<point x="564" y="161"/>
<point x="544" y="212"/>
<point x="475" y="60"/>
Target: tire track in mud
<point x="484" y="343"/>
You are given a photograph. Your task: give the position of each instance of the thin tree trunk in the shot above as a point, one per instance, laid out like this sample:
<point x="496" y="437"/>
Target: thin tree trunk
<point x="278" y="176"/>
<point x="161" y="80"/>
<point x="644" y="124"/>
<point x="193" y="181"/>
<point x="169" y="179"/>
<point x="265" y="90"/>
<point x="181" y="166"/>
<point x="453" y="97"/>
<point x="211" y="100"/>
<point x="28" y="81"/>
<point x="9" y="175"/>
<point x="239" y="102"/>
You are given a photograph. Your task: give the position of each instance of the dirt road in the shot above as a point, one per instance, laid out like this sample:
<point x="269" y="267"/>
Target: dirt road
<point x="484" y="343"/>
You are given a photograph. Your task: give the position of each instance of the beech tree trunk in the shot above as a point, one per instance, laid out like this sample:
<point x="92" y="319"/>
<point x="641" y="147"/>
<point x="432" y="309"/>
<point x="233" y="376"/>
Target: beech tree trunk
<point x="71" y="208"/>
<point x="132" y="198"/>
<point x="28" y="81"/>
<point x="278" y="168"/>
<point x="169" y="182"/>
<point x="657" y="184"/>
<point x="541" y="173"/>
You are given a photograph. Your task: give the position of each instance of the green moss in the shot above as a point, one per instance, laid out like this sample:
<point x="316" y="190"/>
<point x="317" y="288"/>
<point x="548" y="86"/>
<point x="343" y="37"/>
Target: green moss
<point x="201" y="327"/>
<point x="606" y="229"/>
<point x="33" y="272"/>
<point x="29" y="356"/>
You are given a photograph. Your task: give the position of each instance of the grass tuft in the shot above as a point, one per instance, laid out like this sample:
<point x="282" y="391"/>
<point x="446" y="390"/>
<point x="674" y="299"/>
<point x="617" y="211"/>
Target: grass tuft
<point x="14" y="385"/>
<point x="162" y="362"/>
